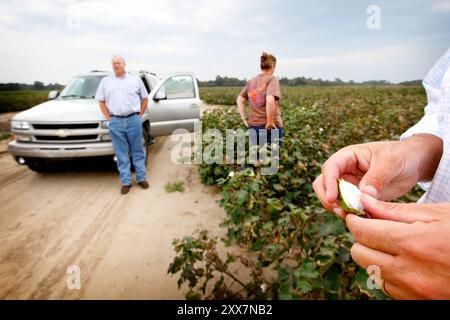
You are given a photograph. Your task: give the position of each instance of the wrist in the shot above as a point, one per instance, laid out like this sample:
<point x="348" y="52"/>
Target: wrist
<point x="428" y="149"/>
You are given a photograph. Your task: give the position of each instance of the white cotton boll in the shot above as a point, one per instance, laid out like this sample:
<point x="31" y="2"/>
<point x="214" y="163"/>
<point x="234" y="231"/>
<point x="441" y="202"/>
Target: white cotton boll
<point x="350" y="197"/>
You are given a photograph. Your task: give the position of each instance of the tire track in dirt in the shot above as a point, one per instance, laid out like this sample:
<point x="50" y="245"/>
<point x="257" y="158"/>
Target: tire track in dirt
<point x="122" y="244"/>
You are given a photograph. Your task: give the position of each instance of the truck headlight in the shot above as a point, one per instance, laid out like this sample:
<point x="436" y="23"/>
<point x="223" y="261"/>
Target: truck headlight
<point x="20" y="125"/>
<point x="104" y="124"/>
<point x="23" y="138"/>
<point x="105" y="137"/>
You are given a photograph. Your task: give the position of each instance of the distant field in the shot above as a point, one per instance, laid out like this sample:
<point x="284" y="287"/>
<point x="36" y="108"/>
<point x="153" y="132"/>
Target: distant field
<point x="276" y="222"/>
<point x="21" y="100"/>
<point x="227" y="95"/>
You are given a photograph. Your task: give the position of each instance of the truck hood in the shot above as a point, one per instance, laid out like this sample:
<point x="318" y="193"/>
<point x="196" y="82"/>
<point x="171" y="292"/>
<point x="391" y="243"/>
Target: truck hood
<point x="67" y="110"/>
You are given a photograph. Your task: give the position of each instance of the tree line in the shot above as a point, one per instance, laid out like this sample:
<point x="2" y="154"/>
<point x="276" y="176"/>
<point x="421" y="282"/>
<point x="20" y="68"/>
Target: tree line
<point x="302" y="81"/>
<point x="227" y="82"/>
<point x="37" y="85"/>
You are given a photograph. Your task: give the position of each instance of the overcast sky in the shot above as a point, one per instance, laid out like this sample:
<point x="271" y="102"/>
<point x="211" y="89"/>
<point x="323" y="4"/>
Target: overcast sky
<point x="51" y="41"/>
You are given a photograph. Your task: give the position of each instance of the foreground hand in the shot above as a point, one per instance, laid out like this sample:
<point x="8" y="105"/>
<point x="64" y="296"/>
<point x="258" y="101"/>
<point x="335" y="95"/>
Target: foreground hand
<point x="410" y="243"/>
<point x="385" y="170"/>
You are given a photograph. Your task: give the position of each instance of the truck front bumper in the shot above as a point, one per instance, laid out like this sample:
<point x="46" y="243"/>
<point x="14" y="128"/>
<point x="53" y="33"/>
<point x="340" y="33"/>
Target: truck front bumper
<point x="60" y="151"/>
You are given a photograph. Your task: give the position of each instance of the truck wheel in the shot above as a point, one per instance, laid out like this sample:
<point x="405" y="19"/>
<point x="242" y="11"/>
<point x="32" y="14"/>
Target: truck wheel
<point x="39" y="166"/>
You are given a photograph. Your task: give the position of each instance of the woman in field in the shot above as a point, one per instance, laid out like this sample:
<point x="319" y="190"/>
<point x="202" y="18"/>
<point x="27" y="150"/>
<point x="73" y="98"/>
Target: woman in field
<point x="263" y="95"/>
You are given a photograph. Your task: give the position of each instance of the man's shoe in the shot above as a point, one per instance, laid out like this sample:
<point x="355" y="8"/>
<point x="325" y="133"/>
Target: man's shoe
<point x="143" y="184"/>
<point x="125" y="189"/>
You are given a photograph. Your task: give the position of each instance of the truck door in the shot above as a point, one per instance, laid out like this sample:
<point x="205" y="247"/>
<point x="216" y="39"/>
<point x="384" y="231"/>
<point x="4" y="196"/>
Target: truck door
<point x="174" y="103"/>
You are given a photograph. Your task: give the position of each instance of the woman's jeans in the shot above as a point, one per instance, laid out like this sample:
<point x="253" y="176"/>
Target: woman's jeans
<point x="126" y="137"/>
<point x="259" y="136"/>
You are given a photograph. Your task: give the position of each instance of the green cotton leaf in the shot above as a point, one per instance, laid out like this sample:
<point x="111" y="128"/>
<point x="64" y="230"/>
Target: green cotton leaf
<point x="343" y="255"/>
<point x="304" y="286"/>
<point x="308" y="270"/>
<point x="284" y="221"/>
<point x="253" y="187"/>
<point x="272" y="249"/>
<point x="328" y="251"/>
<point x="191" y="295"/>
<point x="268" y="225"/>
<point x="278" y="187"/>
<point x="325" y="229"/>
<point x="285" y="293"/>
<point x="241" y="196"/>
<point x="274" y="205"/>
<point x="284" y="273"/>
<point x="331" y="280"/>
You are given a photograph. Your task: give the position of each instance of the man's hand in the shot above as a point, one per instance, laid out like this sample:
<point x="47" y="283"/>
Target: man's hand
<point x="104" y="110"/>
<point x="385" y="170"/>
<point x="144" y="104"/>
<point x="410" y="243"/>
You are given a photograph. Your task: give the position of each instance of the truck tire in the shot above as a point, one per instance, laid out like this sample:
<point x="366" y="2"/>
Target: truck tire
<point x="39" y="166"/>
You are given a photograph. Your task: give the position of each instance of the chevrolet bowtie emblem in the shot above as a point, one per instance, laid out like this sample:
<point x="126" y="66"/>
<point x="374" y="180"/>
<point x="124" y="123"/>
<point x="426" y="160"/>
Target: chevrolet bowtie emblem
<point x="62" y="133"/>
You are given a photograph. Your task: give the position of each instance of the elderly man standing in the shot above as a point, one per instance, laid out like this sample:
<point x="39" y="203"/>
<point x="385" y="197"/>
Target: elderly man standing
<point x="123" y="100"/>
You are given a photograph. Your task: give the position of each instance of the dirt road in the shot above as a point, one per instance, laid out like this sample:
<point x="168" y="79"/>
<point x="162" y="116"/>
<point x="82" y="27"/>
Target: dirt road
<point x="122" y="244"/>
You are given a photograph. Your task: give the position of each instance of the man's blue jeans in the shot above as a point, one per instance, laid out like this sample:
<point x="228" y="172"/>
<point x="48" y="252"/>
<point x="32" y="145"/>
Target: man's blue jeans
<point x="126" y="137"/>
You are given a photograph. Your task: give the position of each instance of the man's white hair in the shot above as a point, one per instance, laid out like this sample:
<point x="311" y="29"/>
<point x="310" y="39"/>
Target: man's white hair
<point x="116" y="56"/>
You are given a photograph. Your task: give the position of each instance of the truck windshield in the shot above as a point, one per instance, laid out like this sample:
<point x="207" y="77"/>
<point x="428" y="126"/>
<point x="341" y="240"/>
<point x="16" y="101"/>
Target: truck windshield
<point x="81" y="87"/>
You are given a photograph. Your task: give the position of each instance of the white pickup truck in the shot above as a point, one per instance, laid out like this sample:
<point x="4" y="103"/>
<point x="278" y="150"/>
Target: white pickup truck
<point x="71" y="125"/>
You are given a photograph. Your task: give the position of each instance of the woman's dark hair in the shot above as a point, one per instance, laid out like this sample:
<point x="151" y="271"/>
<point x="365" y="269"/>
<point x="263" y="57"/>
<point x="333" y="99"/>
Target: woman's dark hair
<point x="268" y="61"/>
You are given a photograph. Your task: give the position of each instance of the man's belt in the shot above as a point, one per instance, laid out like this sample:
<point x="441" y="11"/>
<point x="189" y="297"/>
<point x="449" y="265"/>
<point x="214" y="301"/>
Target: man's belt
<point x="127" y="116"/>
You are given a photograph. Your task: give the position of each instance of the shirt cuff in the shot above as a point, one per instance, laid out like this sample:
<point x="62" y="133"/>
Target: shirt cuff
<point x="429" y="124"/>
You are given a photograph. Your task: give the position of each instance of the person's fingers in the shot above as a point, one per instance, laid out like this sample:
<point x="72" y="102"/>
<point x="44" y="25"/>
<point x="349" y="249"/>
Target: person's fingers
<point x="379" y="174"/>
<point x="382" y="235"/>
<point x="401" y="212"/>
<point x="352" y="178"/>
<point x="399" y="292"/>
<point x="343" y="161"/>
<point x="320" y="192"/>
<point x="365" y="257"/>
<point x="394" y="285"/>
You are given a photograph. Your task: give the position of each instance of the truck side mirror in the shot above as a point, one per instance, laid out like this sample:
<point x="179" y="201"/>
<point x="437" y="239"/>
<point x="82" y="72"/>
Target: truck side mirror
<point x="160" y="96"/>
<point x="53" y="94"/>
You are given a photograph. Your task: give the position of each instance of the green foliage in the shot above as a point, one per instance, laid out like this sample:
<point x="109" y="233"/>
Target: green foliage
<point x="220" y="95"/>
<point x="174" y="187"/>
<point x="289" y="245"/>
<point x="5" y="135"/>
<point x="21" y="100"/>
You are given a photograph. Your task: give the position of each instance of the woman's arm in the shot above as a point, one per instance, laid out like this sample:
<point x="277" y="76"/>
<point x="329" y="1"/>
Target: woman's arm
<point x="240" y="104"/>
<point x="270" y="112"/>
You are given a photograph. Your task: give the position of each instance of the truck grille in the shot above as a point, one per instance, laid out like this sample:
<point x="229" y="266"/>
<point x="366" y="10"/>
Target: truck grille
<point x="43" y="126"/>
<point x="68" y="138"/>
